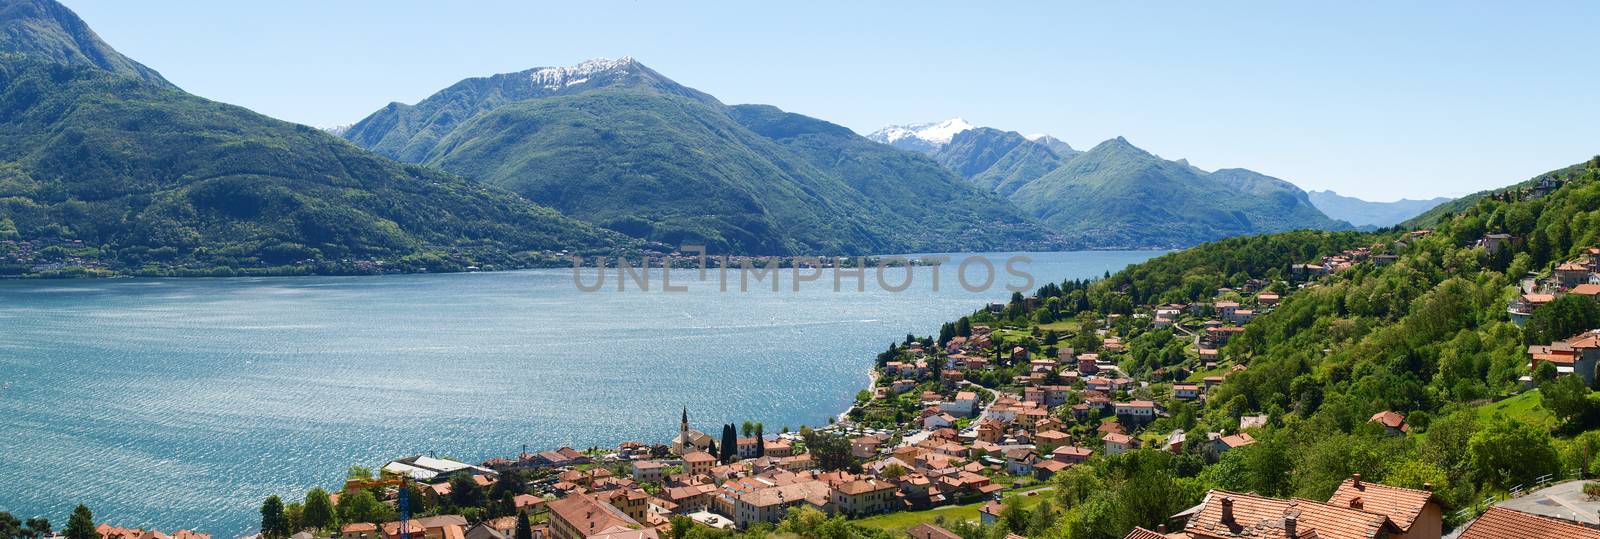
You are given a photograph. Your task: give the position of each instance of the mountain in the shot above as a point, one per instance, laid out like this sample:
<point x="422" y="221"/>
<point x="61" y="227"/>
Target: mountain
<point x="1056" y="145"/>
<point x="1000" y="161"/>
<point x="46" y="30"/>
<point x="1377" y="214"/>
<point x="617" y="144"/>
<point x="925" y="138"/>
<point x="1119" y="195"/>
<point x="136" y="175"/>
<point x="1115" y="195"/>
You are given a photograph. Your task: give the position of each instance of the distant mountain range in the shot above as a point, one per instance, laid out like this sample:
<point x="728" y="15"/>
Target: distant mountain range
<point x="101" y="153"/>
<point x="1115" y="194"/>
<point x="1371" y="214"/>
<point x="619" y="145"/>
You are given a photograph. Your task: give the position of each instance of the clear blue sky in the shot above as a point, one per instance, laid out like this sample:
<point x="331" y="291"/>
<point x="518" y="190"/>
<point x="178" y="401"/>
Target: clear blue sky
<point x="1379" y="100"/>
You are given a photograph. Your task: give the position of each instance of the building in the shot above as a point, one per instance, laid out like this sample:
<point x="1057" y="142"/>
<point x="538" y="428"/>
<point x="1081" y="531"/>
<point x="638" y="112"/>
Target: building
<point x="689" y="440"/>
<point x="1226" y="515"/>
<point x="1186" y="392"/>
<point x="648" y="471"/>
<point x="107" y="531"/>
<point x="1222" y="443"/>
<point x="863" y="497"/>
<point x="1392" y="422"/>
<point x="582" y="516"/>
<point x="1417" y="513"/>
<point x="1049" y="440"/>
<point x="426" y="468"/>
<point x="929" y="531"/>
<point x="865" y="447"/>
<point x="1136" y="412"/>
<point x="1577" y="355"/>
<point x="1499" y="522"/>
<point x="1571" y="274"/>
<point x="771" y="503"/>
<point x="698" y="463"/>
<point x="1357" y="510"/>
<point x="1118" y="443"/>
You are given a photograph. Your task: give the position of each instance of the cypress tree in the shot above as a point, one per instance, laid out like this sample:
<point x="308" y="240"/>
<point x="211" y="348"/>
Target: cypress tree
<point x="761" y="442"/>
<point x="524" y="529"/>
<point x="730" y="443"/>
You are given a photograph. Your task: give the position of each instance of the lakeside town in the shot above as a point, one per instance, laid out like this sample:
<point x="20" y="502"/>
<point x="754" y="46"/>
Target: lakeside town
<point x="990" y="429"/>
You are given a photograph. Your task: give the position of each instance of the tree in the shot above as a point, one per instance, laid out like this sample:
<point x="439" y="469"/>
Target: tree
<point x="1568" y="398"/>
<point x="274" y="525"/>
<point x="730" y="444"/>
<point x="360" y="506"/>
<point x="830" y="451"/>
<point x="680" y="527"/>
<point x="747" y="428"/>
<point x="37" y="527"/>
<point x="1507" y="453"/>
<point x="524" y="529"/>
<point x="761" y="442"/>
<point x="81" y="524"/>
<point x="465" y="492"/>
<point x="318" y="511"/>
<point x="1564" y="317"/>
<point x="10" y="527"/>
<point x="360" y="473"/>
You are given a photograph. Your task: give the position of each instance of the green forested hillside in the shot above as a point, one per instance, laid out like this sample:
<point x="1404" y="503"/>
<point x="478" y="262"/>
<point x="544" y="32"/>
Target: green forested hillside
<point x="1427" y="336"/>
<point x="615" y="144"/>
<point x="47" y="30"/>
<point x="150" y="178"/>
<point x="1119" y="195"/>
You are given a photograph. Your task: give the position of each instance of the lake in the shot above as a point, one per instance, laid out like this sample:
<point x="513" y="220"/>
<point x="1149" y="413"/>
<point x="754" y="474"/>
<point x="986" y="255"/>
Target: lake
<point x="182" y="403"/>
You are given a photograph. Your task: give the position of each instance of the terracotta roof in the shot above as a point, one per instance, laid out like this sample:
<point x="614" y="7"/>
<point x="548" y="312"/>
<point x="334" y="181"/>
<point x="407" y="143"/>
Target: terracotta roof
<point x="1141" y="533"/>
<point x="1401" y="505"/>
<point x="929" y="531"/>
<point x="699" y="456"/>
<point x="1265" y="517"/>
<point x="1389" y="419"/>
<point x="1586" y="289"/>
<point x="1238" y="440"/>
<point x="1501" y="522"/>
<point x="590" y="516"/>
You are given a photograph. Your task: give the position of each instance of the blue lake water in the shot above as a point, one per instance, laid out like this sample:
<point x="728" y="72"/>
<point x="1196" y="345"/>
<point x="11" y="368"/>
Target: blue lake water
<point x="183" y="403"/>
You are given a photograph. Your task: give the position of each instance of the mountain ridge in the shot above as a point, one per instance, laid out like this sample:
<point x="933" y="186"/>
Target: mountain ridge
<point x="639" y="153"/>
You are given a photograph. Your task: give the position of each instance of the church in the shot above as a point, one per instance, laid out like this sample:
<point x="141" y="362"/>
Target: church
<point x="689" y="440"/>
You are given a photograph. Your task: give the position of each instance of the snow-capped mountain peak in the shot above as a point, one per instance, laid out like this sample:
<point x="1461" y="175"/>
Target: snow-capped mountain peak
<point x="923" y="137"/>
<point x="556" y="78"/>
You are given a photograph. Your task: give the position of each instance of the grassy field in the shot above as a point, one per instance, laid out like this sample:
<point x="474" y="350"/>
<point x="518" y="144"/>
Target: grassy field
<point x="898" y="522"/>
<point x="1526" y="408"/>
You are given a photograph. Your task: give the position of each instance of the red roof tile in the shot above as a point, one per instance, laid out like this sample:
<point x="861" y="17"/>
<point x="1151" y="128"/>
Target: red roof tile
<point x="1500" y="522"/>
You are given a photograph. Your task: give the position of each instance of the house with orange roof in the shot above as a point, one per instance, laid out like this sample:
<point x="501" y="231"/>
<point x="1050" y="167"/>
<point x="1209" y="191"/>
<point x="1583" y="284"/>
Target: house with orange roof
<point x="1417" y="513"/>
<point x="1391" y="421"/>
<point x="1118" y="443"/>
<point x="582" y="516"/>
<point x="1229" y="515"/>
<point x="1500" y="522"/>
<point x="1571" y="274"/>
<point x="698" y="463"/>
